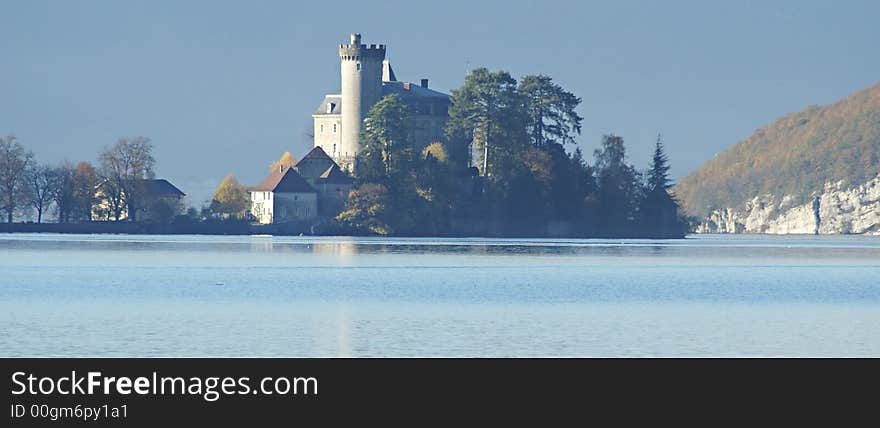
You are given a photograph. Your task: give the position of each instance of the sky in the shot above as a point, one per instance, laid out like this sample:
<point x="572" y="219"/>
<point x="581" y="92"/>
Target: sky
<point x="225" y="87"/>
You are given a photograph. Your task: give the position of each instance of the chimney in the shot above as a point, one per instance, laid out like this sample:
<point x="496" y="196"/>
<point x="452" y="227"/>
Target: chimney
<point x="425" y="83"/>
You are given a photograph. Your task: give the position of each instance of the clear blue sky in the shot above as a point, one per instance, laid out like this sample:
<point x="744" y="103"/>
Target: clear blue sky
<point x="226" y="87"/>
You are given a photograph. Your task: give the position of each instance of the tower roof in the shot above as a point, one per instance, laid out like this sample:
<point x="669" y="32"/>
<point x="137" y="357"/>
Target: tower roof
<point x="388" y="72"/>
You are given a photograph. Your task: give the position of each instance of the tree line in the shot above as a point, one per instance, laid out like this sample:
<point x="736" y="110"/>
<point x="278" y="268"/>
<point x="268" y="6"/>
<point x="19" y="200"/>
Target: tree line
<point x="504" y="163"/>
<point x="29" y="189"/>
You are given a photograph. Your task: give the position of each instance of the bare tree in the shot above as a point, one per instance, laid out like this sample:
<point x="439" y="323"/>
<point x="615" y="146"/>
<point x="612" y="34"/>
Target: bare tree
<point x="42" y="183"/>
<point x="125" y="166"/>
<point x="14" y="161"/>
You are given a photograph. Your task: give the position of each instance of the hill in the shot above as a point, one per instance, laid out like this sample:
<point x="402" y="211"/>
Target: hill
<point x="795" y="156"/>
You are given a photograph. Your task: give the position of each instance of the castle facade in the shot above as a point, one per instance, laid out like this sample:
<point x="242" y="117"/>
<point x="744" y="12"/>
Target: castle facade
<point x="367" y="77"/>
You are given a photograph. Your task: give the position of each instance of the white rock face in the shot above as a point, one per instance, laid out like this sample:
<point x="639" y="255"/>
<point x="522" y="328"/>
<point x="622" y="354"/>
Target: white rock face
<point x="838" y="209"/>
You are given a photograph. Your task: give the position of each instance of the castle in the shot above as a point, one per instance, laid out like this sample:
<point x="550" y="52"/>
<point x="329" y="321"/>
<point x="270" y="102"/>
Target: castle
<point x="317" y="186"/>
<point x="367" y="77"/>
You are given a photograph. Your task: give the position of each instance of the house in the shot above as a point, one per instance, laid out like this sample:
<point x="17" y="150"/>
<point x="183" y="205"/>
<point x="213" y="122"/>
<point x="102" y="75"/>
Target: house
<point x="327" y="178"/>
<point x="152" y="199"/>
<point x="283" y="196"/>
<point x="316" y="187"/>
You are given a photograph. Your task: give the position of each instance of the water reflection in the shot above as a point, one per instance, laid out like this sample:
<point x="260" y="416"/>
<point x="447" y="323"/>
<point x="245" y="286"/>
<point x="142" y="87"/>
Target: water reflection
<point x="295" y="296"/>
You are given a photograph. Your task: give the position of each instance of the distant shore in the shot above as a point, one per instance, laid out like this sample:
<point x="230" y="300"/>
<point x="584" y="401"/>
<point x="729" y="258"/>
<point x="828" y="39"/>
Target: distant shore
<point x="286" y="229"/>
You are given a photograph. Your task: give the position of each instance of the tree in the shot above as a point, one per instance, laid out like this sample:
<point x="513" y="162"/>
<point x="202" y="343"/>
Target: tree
<point x="488" y="116"/>
<point x="85" y="180"/>
<point x="618" y="182"/>
<point x="125" y="166"/>
<point x="658" y="174"/>
<point x="14" y="162"/>
<point x="551" y="111"/>
<point x="659" y="210"/>
<point x="386" y="149"/>
<point x="286" y="161"/>
<point x="64" y="193"/>
<point x="231" y="198"/>
<point x="41" y="184"/>
<point x="366" y="210"/>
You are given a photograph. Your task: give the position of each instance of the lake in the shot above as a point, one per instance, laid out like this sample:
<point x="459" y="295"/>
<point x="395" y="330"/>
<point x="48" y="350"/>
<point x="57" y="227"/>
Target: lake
<point x="263" y="296"/>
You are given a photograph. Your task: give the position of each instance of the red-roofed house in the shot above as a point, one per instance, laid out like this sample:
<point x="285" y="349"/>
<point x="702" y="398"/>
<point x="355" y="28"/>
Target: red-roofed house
<point x="283" y="196"/>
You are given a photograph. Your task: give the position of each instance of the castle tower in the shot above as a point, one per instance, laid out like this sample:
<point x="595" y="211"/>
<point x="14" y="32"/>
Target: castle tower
<point x="361" y="89"/>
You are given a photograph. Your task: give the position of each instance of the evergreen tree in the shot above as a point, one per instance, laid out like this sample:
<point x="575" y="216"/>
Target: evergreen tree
<point x="551" y="111"/>
<point x="386" y="150"/>
<point x="619" y="189"/>
<point x="658" y="174"/>
<point x="658" y="209"/>
<point x="487" y="116"/>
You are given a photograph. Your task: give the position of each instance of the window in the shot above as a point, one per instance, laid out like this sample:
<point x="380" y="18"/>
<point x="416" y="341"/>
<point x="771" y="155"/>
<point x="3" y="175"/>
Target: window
<point x="334" y="149"/>
<point x="358" y="66"/>
<point x="330" y="107"/>
<point x="334" y="128"/>
<point x="322" y="128"/>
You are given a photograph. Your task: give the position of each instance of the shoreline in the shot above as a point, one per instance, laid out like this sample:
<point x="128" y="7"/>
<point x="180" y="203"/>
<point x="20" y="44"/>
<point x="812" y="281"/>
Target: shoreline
<point x="287" y="229"/>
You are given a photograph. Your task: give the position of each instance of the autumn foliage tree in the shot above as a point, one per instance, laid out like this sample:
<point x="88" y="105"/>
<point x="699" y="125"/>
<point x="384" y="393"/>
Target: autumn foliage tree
<point x="285" y="161"/>
<point x="231" y="199"/>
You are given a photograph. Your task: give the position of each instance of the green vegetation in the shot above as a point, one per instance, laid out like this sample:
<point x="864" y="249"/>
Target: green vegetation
<point x="503" y="169"/>
<point x="795" y="156"/>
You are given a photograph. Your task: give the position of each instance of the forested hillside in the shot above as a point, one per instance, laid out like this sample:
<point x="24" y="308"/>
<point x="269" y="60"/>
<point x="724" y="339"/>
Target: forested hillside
<point x="796" y="155"/>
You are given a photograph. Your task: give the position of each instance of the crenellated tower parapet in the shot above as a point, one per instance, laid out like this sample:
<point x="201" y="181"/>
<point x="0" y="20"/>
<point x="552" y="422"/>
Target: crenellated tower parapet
<point x="361" y="66"/>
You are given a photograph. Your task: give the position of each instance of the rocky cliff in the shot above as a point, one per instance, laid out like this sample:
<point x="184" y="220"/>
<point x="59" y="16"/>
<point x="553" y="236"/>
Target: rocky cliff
<point x="812" y="171"/>
<point x="836" y="209"/>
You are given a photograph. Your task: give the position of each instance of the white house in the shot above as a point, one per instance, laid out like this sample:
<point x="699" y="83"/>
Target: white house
<point x="315" y="187"/>
<point x="283" y="196"/>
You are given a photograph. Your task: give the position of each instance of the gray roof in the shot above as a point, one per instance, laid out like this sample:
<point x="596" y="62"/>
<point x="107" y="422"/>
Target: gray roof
<point x="415" y="91"/>
<point x="336" y="99"/>
<point x="335" y="175"/>
<point x="156" y="187"/>
<point x="314" y="163"/>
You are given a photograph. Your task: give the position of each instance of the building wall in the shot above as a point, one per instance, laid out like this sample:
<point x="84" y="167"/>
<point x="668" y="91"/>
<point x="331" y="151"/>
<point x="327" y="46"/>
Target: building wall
<point x="262" y="204"/>
<point x="331" y="198"/>
<point x="328" y="130"/>
<point x="427" y="129"/>
<point x="295" y="206"/>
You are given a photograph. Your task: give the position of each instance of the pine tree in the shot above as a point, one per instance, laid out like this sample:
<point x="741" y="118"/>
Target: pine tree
<point x="658" y="175"/>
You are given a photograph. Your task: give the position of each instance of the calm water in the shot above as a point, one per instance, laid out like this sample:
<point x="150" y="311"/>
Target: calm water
<point x="90" y="295"/>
